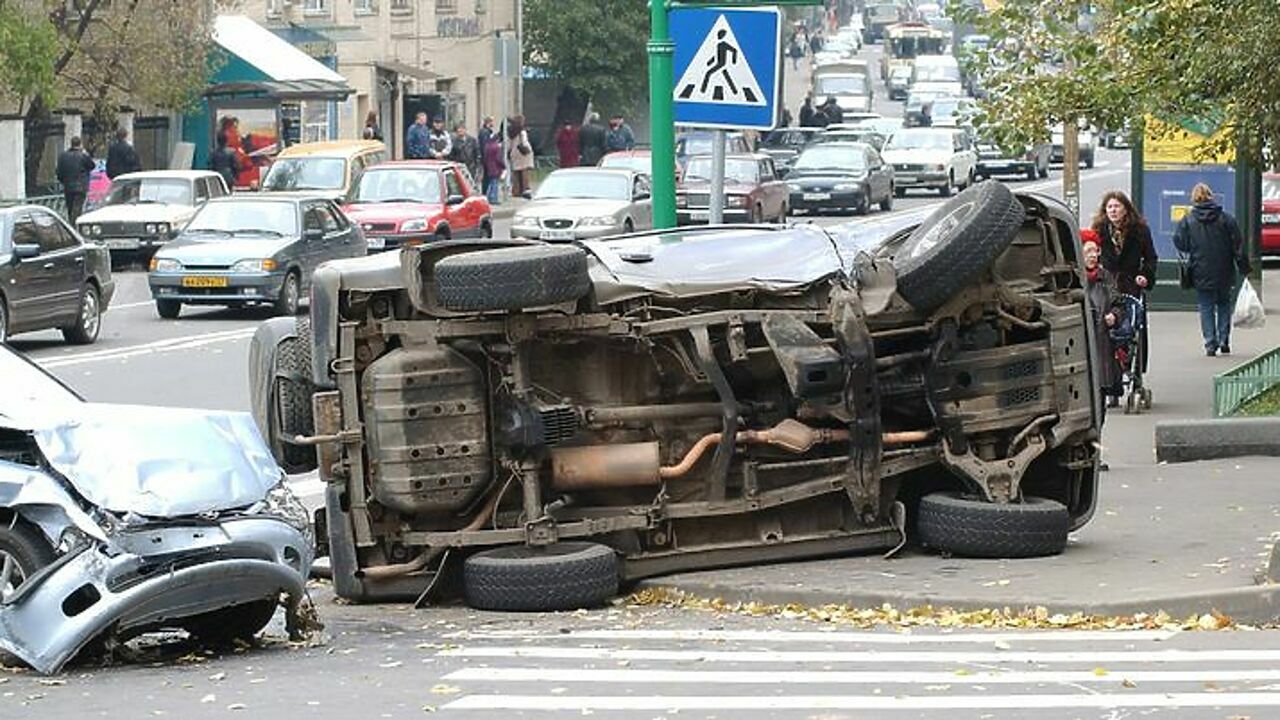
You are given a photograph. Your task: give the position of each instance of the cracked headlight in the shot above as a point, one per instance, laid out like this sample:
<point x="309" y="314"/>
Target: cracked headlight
<point x="283" y="504"/>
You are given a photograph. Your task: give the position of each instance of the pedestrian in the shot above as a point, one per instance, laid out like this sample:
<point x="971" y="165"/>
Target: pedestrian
<point x="439" y="145"/>
<point x="74" y="166"/>
<point x="121" y="157"/>
<point x="619" y="136"/>
<point x="831" y="112"/>
<point x="815" y="42"/>
<point x="520" y="157"/>
<point x="1215" y="252"/>
<point x="225" y="161"/>
<point x="372" y="131"/>
<point x="486" y="131"/>
<point x="1129" y="254"/>
<point x="795" y="52"/>
<point x="786" y="117"/>
<point x="417" y="141"/>
<point x="1108" y="309"/>
<point x="494" y="166"/>
<point x="808" y="115"/>
<point x="591" y="137"/>
<point x="465" y="151"/>
<point x="567" y="145"/>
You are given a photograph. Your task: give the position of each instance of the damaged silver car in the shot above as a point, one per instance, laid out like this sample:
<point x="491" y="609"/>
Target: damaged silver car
<point x="534" y="424"/>
<point x="118" y="520"/>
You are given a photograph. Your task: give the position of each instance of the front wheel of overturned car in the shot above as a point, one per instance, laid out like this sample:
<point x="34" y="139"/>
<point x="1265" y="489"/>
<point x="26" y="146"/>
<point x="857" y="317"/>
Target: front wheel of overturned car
<point x="238" y="622"/>
<point x="956" y="524"/>
<point x="563" y="576"/>
<point x="512" y="278"/>
<point x="956" y="244"/>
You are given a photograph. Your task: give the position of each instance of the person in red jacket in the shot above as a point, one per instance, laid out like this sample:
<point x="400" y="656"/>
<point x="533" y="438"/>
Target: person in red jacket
<point x="567" y="144"/>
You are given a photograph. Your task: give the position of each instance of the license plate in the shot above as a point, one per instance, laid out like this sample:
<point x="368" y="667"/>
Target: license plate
<point x="555" y="235"/>
<point x="375" y="243"/>
<point x="1271" y="218"/>
<point x="123" y="243"/>
<point x="817" y="196"/>
<point x="198" y="281"/>
<point x="905" y="178"/>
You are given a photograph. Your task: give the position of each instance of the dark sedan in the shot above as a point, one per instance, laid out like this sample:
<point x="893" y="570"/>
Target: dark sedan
<point x="251" y="250"/>
<point x="50" y="277"/>
<point x="785" y="144"/>
<point x="839" y="176"/>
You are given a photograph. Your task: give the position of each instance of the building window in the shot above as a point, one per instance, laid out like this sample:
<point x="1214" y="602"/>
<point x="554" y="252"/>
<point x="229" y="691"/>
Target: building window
<point x="482" y="6"/>
<point x="315" y="7"/>
<point x="446" y="6"/>
<point x="273" y="7"/>
<point x="401" y="7"/>
<point x="366" y="7"/>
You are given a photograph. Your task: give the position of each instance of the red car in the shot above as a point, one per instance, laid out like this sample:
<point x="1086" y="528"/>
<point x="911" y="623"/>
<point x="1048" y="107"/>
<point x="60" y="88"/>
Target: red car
<point x="1271" y="214"/>
<point x="416" y="201"/>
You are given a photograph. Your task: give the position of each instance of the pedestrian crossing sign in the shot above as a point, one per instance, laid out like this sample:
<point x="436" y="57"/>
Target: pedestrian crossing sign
<point x="727" y="67"/>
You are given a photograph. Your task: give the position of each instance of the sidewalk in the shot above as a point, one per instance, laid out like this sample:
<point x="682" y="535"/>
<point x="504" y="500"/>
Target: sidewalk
<point x="1186" y="539"/>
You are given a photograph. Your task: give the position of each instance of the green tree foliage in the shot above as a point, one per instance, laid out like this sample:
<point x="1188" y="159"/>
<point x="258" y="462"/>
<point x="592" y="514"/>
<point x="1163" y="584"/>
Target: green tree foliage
<point x="596" y="47"/>
<point x="28" y="48"/>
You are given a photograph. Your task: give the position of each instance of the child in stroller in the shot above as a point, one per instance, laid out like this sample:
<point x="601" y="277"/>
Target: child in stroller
<point x="1119" y="321"/>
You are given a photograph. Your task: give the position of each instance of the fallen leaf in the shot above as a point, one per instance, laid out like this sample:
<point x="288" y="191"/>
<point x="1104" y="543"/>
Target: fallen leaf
<point x="1101" y="672"/>
<point x="52" y="682"/>
<point x="217" y="677"/>
<point x="1128" y="683"/>
<point x="445" y="690"/>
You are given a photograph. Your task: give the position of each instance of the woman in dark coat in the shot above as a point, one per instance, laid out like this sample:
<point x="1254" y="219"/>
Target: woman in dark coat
<point x="1214" y="245"/>
<point x="1128" y="254"/>
<point x="1107" y="311"/>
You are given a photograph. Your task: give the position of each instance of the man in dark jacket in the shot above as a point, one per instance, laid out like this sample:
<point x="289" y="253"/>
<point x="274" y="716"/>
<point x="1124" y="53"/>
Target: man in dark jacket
<point x="74" y="166"/>
<point x="465" y="150"/>
<point x="1214" y="246"/>
<point x="417" y="142"/>
<point x="591" y="141"/>
<point x="808" y="115"/>
<point x="224" y="161"/>
<point x="121" y="157"/>
<point x="831" y="112"/>
<point x="619" y="136"/>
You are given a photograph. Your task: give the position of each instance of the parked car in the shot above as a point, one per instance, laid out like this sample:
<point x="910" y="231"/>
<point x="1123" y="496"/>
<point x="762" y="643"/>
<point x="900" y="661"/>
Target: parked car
<point x="415" y="201"/>
<point x="840" y="176"/>
<point x="581" y="203"/>
<point x="50" y="277"/>
<point x="144" y="210"/>
<point x="885" y="126"/>
<point x="1087" y="141"/>
<point x="121" y="520"/>
<point x="1032" y="161"/>
<point x="939" y="158"/>
<point x="752" y="190"/>
<point x="785" y="144"/>
<point x="861" y="135"/>
<point x="331" y="168"/>
<point x="899" y="82"/>
<point x="1271" y="214"/>
<point x="690" y="398"/>
<point x="698" y="142"/>
<point x="251" y="250"/>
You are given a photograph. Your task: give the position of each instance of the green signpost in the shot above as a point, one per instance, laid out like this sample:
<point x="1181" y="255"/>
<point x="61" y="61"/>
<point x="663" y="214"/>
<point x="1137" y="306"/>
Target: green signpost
<point x="661" y="87"/>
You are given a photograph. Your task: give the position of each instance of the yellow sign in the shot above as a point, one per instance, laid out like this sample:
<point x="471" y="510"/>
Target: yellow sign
<point x="1177" y="212"/>
<point x="1167" y="143"/>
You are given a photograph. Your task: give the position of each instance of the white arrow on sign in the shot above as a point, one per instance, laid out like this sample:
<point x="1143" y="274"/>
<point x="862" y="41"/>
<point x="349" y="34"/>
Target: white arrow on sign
<point x="719" y="72"/>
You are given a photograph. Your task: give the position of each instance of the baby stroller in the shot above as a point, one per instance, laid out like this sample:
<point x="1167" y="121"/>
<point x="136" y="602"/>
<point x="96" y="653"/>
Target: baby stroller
<point x="1129" y="352"/>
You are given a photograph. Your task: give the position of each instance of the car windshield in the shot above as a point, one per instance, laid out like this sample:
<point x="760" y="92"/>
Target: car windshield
<point x="245" y="217"/>
<point x="842" y="85"/>
<point x="585" y="185"/>
<point x="699" y="144"/>
<point x="946" y="107"/>
<point x="1271" y="188"/>
<point x="908" y="140"/>
<point x="736" y="170"/>
<point x="306" y="173"/>
<point x="399" y="185"/>
<point x="149" y="190"/>
<point x="937" y="73"/>
<point x="787" y="138"/>
<point x="636" y="163"/>
<point x="832" y="158"/>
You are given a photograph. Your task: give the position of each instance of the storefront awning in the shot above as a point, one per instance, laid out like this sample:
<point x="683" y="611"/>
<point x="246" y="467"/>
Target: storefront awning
<point x="279" y="70"/>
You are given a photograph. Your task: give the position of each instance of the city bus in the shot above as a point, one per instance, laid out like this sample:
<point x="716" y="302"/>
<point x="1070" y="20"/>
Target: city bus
<point x="904" y="41"/>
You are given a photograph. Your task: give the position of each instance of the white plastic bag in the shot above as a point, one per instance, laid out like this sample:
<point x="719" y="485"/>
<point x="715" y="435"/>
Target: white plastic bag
<point x="1249" y="313"/>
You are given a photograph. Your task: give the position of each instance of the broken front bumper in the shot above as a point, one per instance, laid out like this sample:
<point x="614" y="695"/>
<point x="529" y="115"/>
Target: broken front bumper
<point x="149" y="577"/>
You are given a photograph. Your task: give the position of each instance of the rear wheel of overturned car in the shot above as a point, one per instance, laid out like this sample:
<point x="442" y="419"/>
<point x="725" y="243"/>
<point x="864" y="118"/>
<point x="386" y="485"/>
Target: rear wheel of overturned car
<point x="563" y="576"/>
<point x="512" y="278"/>
<point x="956" y="244"/>
<point x="238" y="622"/>
<point x="287" y="302"/>
<point x="88" y="318"/>
<point x="168" y="309"/>
<point x="957" y="524"/>
<point x="293" y="398"/>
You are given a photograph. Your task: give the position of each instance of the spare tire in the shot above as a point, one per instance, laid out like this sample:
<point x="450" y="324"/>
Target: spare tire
<point x="293" y="390"/>
<point x="512" y="278"/>
<point x="562" y="576"/>
<point x="953" y="523"/>
<point x="956" y="244"/>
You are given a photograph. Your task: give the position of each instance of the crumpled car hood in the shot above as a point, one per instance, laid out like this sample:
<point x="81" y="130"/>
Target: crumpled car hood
<point x="158" y="462"/>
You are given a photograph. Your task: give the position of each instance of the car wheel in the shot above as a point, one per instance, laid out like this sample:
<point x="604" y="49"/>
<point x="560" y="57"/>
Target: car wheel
<point x="512" y="278"/>
<point x="88" y="320"/>
<point x="628" y="227"/>
<point x="899" y="192"/>
<point x="956" y="244"/>
<point x="886" y="202"/>
<point x="1033" y="172"/>
<point x="287" y="302"/>
<point x="1088" y="161"/>
<point x="486" y="229"/>
<point x="168" y="309"/>
<point x="783" y="214"/>
<point x="563" y="576"/>
<point x="949" y="187"/>
<point x="757" y="215"/>
<point x="4" y="320"/>
<point x="23" y="551"/>
<point x="226" y="626"/>
<point x="1044" y="170"/>
<point x="955" y="524"/>
<point x="864" y="203"/>
<point x="291" y="382"/>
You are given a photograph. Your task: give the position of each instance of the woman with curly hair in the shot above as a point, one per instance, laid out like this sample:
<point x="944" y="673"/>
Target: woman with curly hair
<point x="1128" y="252"/>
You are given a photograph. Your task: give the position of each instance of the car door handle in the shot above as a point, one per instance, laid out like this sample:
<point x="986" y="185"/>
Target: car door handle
<point x="47" y="266"/>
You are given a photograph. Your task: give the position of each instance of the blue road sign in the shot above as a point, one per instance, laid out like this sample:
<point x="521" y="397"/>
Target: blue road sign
<point x="727" y="66"/>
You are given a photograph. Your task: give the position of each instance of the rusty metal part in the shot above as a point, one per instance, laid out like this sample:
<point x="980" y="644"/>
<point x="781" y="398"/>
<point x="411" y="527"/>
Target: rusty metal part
<point x="634" y="413"/>
<point x="622" y="465"/>
<point x="719" y="477"/>
<point x="424" y="558"/>
<point x="902" y="437"/>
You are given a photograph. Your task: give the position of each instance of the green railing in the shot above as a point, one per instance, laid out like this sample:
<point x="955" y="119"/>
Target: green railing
<point x="1239" y="385"/>
<point x="56" y="203"/>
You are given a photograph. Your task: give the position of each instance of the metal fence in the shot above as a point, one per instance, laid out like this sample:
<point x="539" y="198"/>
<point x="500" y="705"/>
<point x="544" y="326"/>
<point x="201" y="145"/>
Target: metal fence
<point x="56" y="203"/>
<point x="1237" y="386"/>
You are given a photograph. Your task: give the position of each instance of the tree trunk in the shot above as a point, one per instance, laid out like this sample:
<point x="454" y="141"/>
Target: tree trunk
<point x="1071" y="165"/>
<point x="36" y="118"/>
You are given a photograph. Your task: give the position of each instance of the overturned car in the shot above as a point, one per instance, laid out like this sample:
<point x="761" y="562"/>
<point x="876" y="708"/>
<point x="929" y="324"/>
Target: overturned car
<point x="542" y="422"/>
<point x="119" y="520"/>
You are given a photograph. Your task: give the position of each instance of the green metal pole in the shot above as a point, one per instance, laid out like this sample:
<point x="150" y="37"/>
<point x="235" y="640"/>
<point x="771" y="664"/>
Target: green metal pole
<point x="662" y="131"/>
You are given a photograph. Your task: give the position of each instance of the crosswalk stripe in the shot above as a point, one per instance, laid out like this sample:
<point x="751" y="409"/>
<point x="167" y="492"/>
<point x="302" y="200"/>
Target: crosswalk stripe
<point x="870" y="656"/>
<point x="861" y="702"/>
<point x="859" y="638"/>
<point x="787" y="677"/>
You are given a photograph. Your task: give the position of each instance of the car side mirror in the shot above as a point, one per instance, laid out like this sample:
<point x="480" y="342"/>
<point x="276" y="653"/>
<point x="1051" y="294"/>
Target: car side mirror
<point x="455" y="200"/>
<point x="313" y="234"/>
<point x="25" y="251"/>
<point x="642" y="195"/>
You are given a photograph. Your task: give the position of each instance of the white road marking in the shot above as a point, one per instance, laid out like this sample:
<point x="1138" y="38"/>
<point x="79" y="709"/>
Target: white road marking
<point x="776" y="677"/>
<point x="185" y="342"/>
<point x="874" y="638"/>
<point x="828" y="656"/>
<point x="123" y="306"/>
<point x="672" y="703"/>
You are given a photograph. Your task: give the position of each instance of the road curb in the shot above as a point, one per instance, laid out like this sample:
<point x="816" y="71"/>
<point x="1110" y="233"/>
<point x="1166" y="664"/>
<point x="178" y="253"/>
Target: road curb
<point x="1256" y="605"/>
<point x="1212" y="439"/>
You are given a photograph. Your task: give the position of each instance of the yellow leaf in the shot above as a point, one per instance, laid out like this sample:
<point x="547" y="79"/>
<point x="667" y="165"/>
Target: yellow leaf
<point x="1100" y="672"/>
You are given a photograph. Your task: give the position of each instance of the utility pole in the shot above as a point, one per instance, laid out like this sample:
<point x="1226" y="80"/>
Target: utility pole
<point x="662" y="131"/>
<point x="1071" y="165"/>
